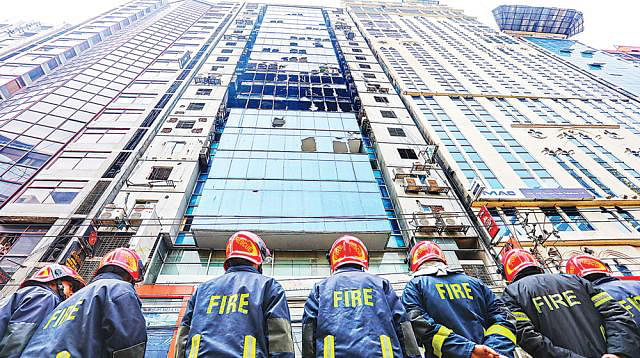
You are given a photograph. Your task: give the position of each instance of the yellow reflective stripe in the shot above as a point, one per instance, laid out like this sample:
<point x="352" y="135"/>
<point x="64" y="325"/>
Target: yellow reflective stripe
<point x="63" y="354"/>
<point x="501" y="331"/>
<point x="387" y="350"/>
<point x="599" y="296"/>
<point x="600" y="299"/>
<point x="195" y="346"/>
<point x="249" y="347"/>
<point x="438" y="340"/>
<point x="329" y="347"/>
<point x="521" y="316"/>
<point x="604" y="335"/>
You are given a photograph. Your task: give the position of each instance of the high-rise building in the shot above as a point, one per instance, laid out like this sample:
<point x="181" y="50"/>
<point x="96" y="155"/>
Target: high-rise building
<point x="629" y="53"/>
<point x="165" y="127"/>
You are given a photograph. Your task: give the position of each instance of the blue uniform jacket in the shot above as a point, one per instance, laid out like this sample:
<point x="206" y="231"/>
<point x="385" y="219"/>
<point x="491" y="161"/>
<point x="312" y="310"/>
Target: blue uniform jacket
<point x="451" y="313"/>
<point x="103" y="319"/>
<point x="239" y="314"/>
<point x="21" y="314"/>
<point x="356" y="314"/>
<point x="627" y="293"/>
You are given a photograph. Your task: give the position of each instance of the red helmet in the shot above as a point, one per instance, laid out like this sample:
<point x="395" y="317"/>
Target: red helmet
<point x="516" y="260"/>
<point x="125" y="258"/>
<point x="425" y="251"/>
<point x="248" y="246"/>
<point x="54" y="272"/>
<point x="348" y="250"/>
<point x="583" y="265"/>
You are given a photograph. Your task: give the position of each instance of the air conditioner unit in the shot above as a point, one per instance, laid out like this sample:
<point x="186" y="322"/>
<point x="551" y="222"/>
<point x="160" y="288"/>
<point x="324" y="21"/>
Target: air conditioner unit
<point x="413" y="185"/>
<point x="419" y="167"/>
<point x="111" y="216"/>
<point x="142" y="212"/>
<point x="425" y="223"/>
<point x="453" y="224"/>
<point x="434" y="187"/>
<point x="400" y="173"/>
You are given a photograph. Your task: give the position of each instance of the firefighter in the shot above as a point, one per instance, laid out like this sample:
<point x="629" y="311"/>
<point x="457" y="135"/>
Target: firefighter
<point x="241" y="313"/>
<point x="353" y="313"/>
<point x="104" y="319"/>
<point x="22" y="313"/>
<point x="452" y="314"/>
<point x="627" y="293"/>
<point x="559" y="315"/>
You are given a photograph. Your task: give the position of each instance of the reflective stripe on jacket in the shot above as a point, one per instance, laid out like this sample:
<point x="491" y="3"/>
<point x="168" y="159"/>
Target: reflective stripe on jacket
<point x="104" y="319"/>
<point x="356" y="314"/>
<point x="239" y="314"/>
<point x="453" y="312"/>
<point x="560" y="315"/>
<point x="627" y="293"/>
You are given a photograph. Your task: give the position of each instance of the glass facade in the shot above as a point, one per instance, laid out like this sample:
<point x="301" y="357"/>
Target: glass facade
<point x="623" y="74"/>
<point x="547" y="20"/>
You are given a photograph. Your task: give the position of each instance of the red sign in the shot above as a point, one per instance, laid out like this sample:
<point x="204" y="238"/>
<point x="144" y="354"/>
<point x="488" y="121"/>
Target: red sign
<point x="93" y="238"/>
<point x="487" y="221"/>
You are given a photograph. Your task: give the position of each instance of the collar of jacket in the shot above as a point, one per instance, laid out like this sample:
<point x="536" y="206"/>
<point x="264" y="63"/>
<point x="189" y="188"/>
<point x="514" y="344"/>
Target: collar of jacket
<point x="437" y="269"/>
<point x="242" y="268"/>
<point x="106" y="275"/>
<point x="347" y="269"/>
<point x="604" y="279"/>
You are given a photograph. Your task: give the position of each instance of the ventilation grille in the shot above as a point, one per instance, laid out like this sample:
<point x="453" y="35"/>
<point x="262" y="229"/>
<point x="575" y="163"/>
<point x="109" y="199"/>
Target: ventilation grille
<point x="479" y="272"/>
<point x="93" y="197"/>
<point x="88" y="268"/>
<point x="107" y="243"/>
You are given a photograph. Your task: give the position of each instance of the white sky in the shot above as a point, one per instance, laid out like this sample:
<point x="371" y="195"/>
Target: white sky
<point x="607" y="23"/>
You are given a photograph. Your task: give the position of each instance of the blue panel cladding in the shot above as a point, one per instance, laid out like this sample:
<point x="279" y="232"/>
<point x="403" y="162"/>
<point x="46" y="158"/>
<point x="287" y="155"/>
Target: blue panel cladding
<point x="623" y="74"/>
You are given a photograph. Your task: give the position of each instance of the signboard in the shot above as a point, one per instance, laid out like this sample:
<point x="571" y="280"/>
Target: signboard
<point x="502" y="194"/>
<point x="557" y="194"/>
<point x="75" y="256"/>
<point x="4" y="277"/>
<point x="536" y="194"/>
<point x="487" y="221"/>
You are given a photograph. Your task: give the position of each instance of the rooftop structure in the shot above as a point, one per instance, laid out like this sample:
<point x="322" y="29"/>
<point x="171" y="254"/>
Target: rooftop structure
<point x="541" y="20"/>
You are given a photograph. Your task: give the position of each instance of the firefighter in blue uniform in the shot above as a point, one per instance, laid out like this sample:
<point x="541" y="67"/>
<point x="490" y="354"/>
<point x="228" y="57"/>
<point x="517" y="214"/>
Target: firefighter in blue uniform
<point x="354" y="313"/>
<point x="564" y="316"/>
<point x="22" y="313"/>
<point x="104" y="319"/>
<point x="627" y="293"/>
<point x="241" y="313"/>
<point x="452" y="314"/>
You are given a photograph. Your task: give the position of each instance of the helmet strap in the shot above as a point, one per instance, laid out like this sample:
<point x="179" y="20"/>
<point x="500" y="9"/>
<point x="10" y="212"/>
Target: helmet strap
<point x="60" y="290"/>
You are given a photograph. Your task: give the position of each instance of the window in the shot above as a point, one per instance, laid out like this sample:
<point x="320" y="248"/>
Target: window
<point x="51" y="192"/>
<point x="160" y="173"/>
<point x="195" y="106"/>
<point x="396" y="132"/>
<point x="388" y="114"/>
<point x="369" y="75"/>
<point x="203" y="92"/>
<point x="70" y="160"/>
<point x="556" y="219"/>
<point x="226" y="50"/>
<point x="222" y="59"/>
<point x="407" y="153"/>
<point x="361" y="58"/>
<point x="381" y="99"/>
<point x="365" y="66"/>
<point x="574" y="216"/>
<point x="185" y="124"/>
